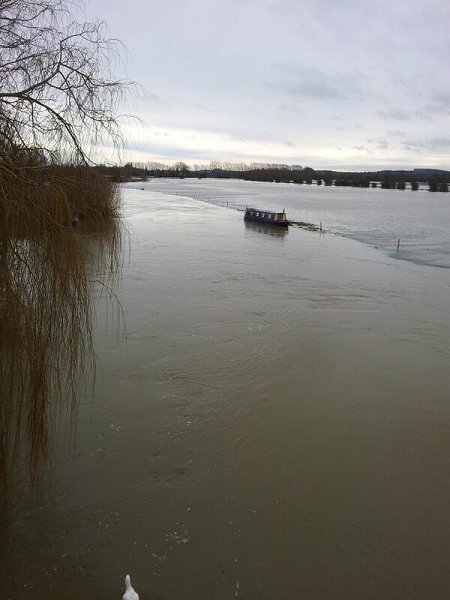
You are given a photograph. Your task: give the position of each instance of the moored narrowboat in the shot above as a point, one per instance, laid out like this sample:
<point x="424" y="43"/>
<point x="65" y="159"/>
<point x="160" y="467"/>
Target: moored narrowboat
<point x="278" y="219"/>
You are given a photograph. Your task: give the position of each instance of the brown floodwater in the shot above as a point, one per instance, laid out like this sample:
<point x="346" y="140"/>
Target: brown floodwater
<point x="270" y="420"/>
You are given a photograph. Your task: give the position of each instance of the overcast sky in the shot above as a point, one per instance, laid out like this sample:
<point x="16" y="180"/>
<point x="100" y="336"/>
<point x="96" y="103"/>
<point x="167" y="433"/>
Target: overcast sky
<point x="341" y="84"/>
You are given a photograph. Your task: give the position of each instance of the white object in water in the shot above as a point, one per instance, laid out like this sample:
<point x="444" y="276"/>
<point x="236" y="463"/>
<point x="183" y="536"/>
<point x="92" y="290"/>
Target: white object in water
<point x="130" y="594"/>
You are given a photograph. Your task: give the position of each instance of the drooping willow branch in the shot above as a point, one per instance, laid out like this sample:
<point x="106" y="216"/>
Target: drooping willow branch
<point x="58" y="96"/>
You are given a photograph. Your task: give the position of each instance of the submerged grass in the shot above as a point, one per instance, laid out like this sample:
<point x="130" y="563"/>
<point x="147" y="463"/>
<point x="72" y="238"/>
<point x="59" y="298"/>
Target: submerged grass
<point x="306" y="226"/>
<point x="47" y="212"/>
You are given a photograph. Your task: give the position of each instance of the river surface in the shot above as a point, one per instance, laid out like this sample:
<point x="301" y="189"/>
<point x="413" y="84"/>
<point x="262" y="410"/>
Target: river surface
<point x="421" y="220"/>
<point x="270" y="421"/>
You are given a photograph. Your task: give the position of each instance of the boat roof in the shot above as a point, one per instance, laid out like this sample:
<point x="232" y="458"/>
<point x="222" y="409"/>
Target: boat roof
<point x="264" y="210"/>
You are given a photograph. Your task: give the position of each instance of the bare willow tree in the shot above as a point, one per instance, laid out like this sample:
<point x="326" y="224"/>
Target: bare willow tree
<point x="57" y="88"/>
<point x="58" y="97"/>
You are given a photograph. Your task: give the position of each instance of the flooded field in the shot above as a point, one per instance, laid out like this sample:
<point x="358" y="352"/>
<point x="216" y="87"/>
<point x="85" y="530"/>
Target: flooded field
<point x="421" y="220"/>
<point x="270" y="420"/>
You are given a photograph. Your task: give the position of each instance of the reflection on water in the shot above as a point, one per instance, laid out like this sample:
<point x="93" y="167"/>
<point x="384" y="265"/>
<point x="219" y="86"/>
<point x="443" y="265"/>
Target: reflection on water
<point x="46" y="335"/>
<point x="278" y="232"/>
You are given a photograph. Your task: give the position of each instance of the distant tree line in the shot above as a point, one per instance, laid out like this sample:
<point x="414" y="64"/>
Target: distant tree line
<point x="436" y="179"/>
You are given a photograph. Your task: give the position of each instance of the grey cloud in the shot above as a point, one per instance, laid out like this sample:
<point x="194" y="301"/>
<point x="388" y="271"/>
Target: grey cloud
<point x="442" y="98"/>
<point x="362" y="149"/>
<point x="440" y="142"/>
<point x="413" y="147"/>
<point x="382" y="145"/>
<point x="293" y="108"/>
<point x="316" y="84"/>
<point x="379" y="143"/>
<point x="177" y="102"/>
<point x="431" y="145"/>
<point x="317" y="90"/>
<point x="394" y="114"/>
<point x="396" y="133"/>
<point x="429" y="111"/>
<point x="153" y="98"/>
